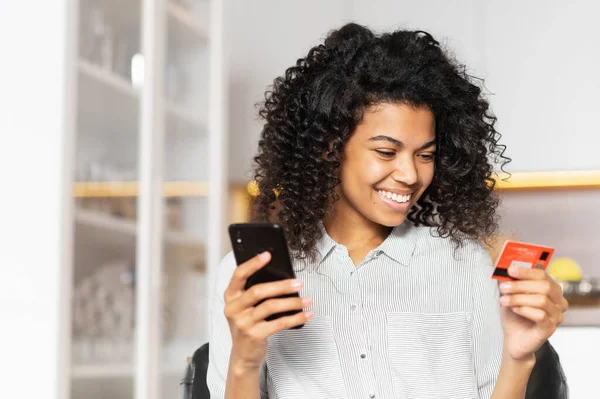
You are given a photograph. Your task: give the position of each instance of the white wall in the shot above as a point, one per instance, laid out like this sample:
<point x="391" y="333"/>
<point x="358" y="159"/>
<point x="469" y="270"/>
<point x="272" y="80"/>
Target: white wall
<point x="33" y="278"/>
<point x="543" y="60"/>
<point x="456" y="24"/>
<point x="264" y="38"/>
<point x="540" y="61"/>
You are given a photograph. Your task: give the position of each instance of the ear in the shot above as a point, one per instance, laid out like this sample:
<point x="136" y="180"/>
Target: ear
<point x="325" y="155"/>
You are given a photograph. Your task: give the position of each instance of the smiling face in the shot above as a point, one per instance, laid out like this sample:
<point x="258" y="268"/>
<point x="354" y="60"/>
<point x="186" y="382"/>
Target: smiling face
<point x="387" y="164"/>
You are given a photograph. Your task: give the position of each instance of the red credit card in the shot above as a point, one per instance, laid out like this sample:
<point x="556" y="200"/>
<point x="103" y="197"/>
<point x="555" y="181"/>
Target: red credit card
<point x="521" y="254"/>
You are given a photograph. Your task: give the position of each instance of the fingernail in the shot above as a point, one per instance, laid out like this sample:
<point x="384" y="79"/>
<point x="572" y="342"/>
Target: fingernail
<point x="309" y="314"/>
<point x="513" y="269"/>
<point x="505" y="286"/>
<point x="306" y="300"/>
<point x="297" y="283"/>
<point x="263" y="256"/>
<point x="504" y="300"/>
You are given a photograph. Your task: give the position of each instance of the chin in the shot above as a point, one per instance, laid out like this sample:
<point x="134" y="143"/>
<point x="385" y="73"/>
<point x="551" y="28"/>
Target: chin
<point x="390" y="220"/>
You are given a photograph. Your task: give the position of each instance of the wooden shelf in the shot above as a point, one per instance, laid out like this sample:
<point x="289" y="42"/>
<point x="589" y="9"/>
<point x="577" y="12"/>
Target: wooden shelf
<point x="550" y="180"/>
<point x="131" y="189"/>
<point x="109" y="101"/>
<point x="527" y="181"/>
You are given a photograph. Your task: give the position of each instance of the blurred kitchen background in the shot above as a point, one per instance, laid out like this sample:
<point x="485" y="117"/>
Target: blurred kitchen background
<point x="128" y="132"/>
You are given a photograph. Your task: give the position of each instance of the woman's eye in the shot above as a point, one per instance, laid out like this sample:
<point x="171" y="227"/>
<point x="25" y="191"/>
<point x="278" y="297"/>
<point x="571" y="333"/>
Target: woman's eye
<point x="427" y="157"/>
<point x="385" y="154"/>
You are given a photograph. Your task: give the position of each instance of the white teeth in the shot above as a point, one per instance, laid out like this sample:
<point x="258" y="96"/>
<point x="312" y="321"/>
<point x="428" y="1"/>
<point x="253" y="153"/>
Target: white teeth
<point x="393" y="196"/>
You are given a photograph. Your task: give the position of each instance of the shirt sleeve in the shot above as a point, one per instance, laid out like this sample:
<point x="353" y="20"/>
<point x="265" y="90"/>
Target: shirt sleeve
<point x="218" y="331"/>
<point x="488" y="336"/>
<point x="219" y="334"/>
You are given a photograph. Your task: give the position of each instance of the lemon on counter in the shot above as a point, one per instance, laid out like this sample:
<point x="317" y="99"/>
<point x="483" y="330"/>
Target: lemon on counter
<point x="565" y="269"/>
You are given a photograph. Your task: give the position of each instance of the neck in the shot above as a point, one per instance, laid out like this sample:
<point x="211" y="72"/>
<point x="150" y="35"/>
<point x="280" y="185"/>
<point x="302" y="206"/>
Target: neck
<point x="354" y="231"/>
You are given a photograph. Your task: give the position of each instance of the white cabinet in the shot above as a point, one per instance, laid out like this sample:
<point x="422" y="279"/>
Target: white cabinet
<point x="148" y="187"/>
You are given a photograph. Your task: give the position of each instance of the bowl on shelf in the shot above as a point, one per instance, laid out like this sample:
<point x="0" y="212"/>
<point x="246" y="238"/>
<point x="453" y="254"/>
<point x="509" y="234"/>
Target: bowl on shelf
<point x="583" y="293"/>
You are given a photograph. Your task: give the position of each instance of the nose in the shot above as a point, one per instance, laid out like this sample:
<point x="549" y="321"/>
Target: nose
<point x="406" y="171"/>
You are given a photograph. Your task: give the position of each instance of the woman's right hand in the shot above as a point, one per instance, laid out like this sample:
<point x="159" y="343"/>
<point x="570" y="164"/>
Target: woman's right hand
<point x="249" y="329"/>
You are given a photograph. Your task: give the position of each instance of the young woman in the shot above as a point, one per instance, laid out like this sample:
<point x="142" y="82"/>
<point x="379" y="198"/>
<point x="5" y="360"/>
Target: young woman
<point x="377" y="158"/>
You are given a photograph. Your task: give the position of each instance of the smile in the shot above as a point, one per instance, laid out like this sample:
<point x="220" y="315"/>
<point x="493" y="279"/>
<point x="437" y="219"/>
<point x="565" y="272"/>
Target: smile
<point x="401" y="199"/>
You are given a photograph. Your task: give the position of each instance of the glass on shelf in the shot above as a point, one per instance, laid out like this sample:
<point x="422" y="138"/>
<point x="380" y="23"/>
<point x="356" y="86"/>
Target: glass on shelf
<point x="103" y="314"/>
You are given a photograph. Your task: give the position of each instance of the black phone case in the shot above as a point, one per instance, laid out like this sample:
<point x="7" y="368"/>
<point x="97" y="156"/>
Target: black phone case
<point x="251" y="239"/>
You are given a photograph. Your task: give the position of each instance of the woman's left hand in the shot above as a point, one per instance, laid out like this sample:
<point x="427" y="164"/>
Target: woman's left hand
<point x="532" y="307"/>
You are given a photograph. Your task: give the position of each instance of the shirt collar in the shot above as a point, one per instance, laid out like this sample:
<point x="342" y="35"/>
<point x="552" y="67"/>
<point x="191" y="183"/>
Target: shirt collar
<point x="325" y="244"/>
<point x="398" y="246"/>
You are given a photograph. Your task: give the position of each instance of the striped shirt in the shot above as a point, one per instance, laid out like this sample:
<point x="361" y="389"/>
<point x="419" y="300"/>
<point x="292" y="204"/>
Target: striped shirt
<point x="416" y="319"/>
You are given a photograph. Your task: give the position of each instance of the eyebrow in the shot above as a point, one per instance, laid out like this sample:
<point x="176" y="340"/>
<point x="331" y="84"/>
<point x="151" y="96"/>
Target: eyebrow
<point x="398" y="143"/>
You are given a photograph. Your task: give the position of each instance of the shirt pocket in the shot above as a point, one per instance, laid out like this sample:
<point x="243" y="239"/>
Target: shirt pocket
<point x="431" y="355"/>
<point x="304" y="363"/>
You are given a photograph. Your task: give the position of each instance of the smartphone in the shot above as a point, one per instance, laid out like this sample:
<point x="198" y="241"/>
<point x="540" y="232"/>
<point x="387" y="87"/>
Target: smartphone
<point x="251" y="239"/>
<point x="521" y="254"/>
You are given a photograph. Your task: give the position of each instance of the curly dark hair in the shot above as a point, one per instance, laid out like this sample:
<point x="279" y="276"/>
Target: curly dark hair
<point x="314" y="108"/>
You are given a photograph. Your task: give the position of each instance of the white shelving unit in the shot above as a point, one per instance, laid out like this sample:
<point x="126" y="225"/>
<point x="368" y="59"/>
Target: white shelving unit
<point x="169" y="130"/>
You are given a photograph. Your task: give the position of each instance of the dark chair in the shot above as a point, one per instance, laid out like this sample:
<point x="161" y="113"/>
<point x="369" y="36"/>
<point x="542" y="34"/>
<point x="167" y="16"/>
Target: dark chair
<point x="193" y="384"/>
<point x="547" y="380"/>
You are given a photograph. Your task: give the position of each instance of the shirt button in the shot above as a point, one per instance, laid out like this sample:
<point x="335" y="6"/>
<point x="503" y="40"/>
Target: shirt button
<point x="363" y="355"/>
<point x="353" y="307"/>
<point x="371" y="395"/>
